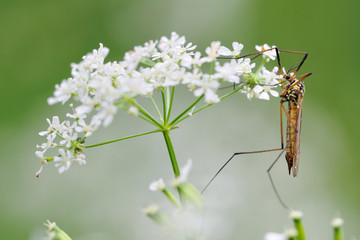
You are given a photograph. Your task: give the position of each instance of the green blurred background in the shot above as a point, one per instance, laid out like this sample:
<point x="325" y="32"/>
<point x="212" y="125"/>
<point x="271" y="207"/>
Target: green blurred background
<point x="103" y="200"/>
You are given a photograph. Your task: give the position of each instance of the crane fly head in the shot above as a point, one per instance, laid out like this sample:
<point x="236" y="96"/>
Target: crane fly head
<point x="288" y="77"/>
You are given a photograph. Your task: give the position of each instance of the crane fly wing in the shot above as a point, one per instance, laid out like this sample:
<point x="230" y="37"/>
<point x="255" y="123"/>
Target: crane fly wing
<point x="297" y="137"/>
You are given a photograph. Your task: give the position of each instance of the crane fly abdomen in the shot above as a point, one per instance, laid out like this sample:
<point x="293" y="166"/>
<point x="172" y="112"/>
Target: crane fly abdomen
<point x="294" y="97"/>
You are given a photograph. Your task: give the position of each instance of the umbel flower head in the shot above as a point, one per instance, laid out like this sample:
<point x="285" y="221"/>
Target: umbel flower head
<point x="97" y="89"/>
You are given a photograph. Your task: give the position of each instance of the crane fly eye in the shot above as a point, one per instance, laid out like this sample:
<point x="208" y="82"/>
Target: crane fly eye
<point x="287" y="77"/>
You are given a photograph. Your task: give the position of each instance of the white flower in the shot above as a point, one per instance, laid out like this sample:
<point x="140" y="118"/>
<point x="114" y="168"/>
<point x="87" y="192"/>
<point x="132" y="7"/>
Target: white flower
<point x="64" y="161"/>
<point x="271" y="78"/>
<point x="54" y="126"/>
<point x="50" y="142"/>
<point x="224" y="51"/>
<point x="192" y="60"/>
<point x="250" y="93"/>
<point x="183" y="49"/>
<point x="63" y="92"/>
<point x="184" y="173"/>
<point x="264" y="90"/>
<point x="228" y="72"/>
<point x="185" y="170"/>
<point x="95" y="59"/>
<point x="212" y="51"/>
<point x="271" y="54"/>
<point x="337" y="222"/>
<point x="133" y="111"/>
<point x="190" y="113"/>
<point x="136" y="85"/>
<point x="245" y="65"/>
<point x="174" y="41"/>
<point x="40" y="154"/>
<point x="106" y="113"/>
<point x="275" y="236"/>
<point x="208" y="87"/>
<point x="88" y="129"/>
<point x="294" y="214"/>
<point x="157" y="185"/>
<point x="97" y="89"/>
<point x="80" y="159"/>
<point x="68" y="137"/>
<point x="192" y="79"/>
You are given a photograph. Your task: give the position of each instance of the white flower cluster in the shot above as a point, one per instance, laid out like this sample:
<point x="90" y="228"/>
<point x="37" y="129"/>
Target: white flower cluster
<point x="70" y="146"/>
<point x="100" y="88"/>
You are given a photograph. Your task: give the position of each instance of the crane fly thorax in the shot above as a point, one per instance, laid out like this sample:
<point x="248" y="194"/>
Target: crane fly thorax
<point x="294" y="92"/>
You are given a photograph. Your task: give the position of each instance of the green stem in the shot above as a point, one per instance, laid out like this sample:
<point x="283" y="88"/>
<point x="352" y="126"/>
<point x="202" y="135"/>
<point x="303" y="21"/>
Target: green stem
<point x="140" y="116"/>
<point x="171" y="197"/>
<point x="186" y="111"/>
<point x="171" y="102"/>
<point x="124" y="138"/>
<point x="208" y="105"/>
<point x="171" y="151"/>
<point x="212" y="67"/>
<point x="164" y="106"/>
<point x="259" y="67"/>
<point x="338" y="234"/>
<point x="299" y="228"/>
<point x="149" y="116"/>
<point x="148" y="120"/>
<point x="157" y="109"/>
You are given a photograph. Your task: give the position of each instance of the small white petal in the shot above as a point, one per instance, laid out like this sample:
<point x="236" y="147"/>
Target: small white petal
<point x="224" y="51"/>
<point x="274" y="93"/>
<point x="264" y="95"/>
<point x="185" y="171"/>
<point x="258" y="89"/>
<point x="275" y="236"/>
<point x="157" y="185"/>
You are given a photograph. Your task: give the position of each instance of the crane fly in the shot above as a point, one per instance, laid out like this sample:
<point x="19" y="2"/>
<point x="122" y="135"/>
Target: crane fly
<point x="293" y="93"/>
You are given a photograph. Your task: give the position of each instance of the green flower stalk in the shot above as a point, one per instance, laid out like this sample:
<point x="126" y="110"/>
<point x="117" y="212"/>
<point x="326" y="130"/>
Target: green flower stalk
<point x="296" y="217"/>
<point x="337" y="224"/>
<point x="291" y="234"/>
<point x="186" y="220"/>
<point x="154" y="213"/>
<point x="55" y="233"/>
<point x="191" y="194"/>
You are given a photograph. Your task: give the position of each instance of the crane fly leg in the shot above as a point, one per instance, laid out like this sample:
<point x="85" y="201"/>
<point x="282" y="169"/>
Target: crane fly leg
<point x="288" y="116"/>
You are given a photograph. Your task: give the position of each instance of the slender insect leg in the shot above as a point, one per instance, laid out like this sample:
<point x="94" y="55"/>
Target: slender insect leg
<point x="250" y="54"/>
<point x="261" y="151"/>
<point x="235" y="154"/>
<point x="272" y="182"/>
<point x="302" y="77"/>
<point x="302" y="61"/>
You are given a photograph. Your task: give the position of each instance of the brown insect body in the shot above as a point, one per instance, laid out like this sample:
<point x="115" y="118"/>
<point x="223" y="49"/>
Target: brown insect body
<point x="293" y="94"/>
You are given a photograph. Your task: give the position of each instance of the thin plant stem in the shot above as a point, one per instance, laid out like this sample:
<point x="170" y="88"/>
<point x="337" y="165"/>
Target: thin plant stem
<point x="186" y="110"/>
<point x="209" y="104"/>
<point x="149" y="116"/>
<point x="259" y="67"/>
<point x="171" y="103"/>
<point x="212" y="67"/>
<point x="171" y="151"/>
<point x="142" y="117"/>
<point x="148" y="120"/>
<point x="164" y="106"/>
<point x="157" y="109"/>
<point x="124" y="138"/>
